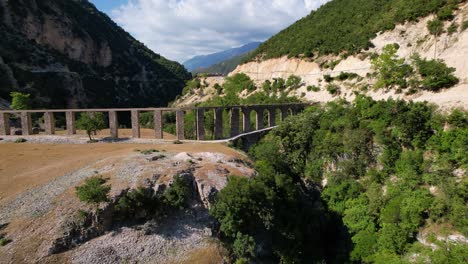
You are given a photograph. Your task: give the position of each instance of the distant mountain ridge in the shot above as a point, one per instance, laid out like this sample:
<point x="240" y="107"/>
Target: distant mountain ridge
<point x="224" y="67"/>
<point x="205" y="61"/>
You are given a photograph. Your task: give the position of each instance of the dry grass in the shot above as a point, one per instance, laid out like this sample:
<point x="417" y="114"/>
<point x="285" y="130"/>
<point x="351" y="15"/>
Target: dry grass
<point x="212" y="254"/>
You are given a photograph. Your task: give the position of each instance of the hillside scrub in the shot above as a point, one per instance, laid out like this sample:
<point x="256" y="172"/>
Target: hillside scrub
<point x="335" y="28"/>
<point x="377" y="164"/>
<point x="395" y="72"/>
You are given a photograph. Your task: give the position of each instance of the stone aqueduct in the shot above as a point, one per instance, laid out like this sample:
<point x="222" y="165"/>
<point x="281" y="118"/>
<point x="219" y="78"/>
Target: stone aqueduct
<point x="240" y="119"/>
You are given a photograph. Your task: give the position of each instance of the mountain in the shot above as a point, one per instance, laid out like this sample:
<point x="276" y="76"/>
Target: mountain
<point x="205" y="61"/>
<point x="66" y="53"/>
<point x="224" y="67"/>
<point x="346" y="27"/>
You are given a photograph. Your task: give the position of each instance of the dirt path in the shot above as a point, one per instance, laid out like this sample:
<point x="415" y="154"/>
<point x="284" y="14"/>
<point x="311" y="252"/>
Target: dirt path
<point x="26" y="166"/>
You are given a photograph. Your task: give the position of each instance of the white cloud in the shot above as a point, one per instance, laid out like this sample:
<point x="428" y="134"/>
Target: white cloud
<point x="181" y="29"/>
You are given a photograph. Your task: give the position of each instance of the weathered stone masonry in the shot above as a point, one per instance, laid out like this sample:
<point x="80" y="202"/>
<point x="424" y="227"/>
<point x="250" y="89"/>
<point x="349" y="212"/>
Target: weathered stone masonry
<point x="235" y="113"/>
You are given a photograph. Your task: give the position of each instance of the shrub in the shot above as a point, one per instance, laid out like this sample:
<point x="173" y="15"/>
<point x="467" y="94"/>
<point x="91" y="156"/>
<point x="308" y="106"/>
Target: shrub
<point x="453" y="28"/>
<point x="333" y="89"/>
<point x="20" y="140"/>
<point x="464" y="25"/>
<point x="244" y="246"/>
<point x="347" y="75"/>
<point x="177" y="142"/>
<point x="20" y="101"/>
<point x="313" y="88"/>
<point x="445" y="13"/>
<point x="91" y="123"/>
<point x="94" y="192"/>
<point x="178" y="193"/>
<point x="435" y="73"/>
<point x="137" y="203"/>
<point x="435" y="27"/>
<point x="328" y="78"/>
<point x="293" y="82"/>
<point x="4" y="241"/>
<point x="391" y="70"/>
<point x="218" y="88"/>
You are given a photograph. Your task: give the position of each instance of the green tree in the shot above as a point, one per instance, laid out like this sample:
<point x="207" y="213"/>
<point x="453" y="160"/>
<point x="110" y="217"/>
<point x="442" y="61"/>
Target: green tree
<point x="91" y="123"/>
<point x="435" y="73"/>
<point x="94" y="192"/>
<point x="391" y="70"/>
<point x="293" y="82"/>
<point x="20" y="101"/>
<point x="436" y="28"/>
<point x="177" y="195"/>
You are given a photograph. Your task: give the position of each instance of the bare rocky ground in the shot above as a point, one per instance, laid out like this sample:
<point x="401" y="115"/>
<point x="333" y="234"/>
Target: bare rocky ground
<point x="36" y="218"/>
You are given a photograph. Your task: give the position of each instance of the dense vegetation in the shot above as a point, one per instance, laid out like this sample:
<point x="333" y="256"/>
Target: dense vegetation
<point x="394" y="72"/>
<point x="393" y="171"/>
<point x="347" y="26"/>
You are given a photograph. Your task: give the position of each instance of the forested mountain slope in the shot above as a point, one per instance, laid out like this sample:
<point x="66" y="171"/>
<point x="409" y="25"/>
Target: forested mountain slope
<point x="439" y="38"/>
<point x="68" y="54"/>
<point x="347" y="26"/>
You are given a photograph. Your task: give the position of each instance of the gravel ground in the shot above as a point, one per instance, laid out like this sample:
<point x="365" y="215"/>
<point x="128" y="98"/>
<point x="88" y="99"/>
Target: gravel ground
<point x="151" y="243"/>
<point x="39" y="201"/>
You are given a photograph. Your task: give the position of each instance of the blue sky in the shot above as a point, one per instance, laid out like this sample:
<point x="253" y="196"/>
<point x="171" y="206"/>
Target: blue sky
<point x="181" y="29"/>
<point x="108" y="5"/>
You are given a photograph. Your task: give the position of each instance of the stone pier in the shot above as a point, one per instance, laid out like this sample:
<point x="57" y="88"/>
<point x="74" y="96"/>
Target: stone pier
<point x="135" y="116"/>
<point x="200" y="119"/>
<point x="71" y="124"/>
<point x="26" y="123"/>
<point x="236" y="112"/>
<point x="218" y="124"/>
<point x="4" y="124"/>
<point x="49" y="123"/>
<point x="259" y="117"/>
<point x="158" y="125"/>
<point x="246" y="119"/>
<point x="271" y="117"/>
<point x="235" y="118"/>
<point x="113" y="124"/>
<point x="180" y="132"/>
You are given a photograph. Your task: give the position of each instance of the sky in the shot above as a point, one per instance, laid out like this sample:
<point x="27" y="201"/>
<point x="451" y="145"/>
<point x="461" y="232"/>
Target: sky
<point x="181" y="29"/>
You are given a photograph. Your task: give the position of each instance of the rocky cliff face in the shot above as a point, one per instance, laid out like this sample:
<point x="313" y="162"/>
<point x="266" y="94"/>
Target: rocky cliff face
<point x="68" y="54"/>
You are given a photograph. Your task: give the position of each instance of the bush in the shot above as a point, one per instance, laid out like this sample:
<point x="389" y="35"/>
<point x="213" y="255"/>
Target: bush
<point x="347" y="75"/>
<point x="333" y="89"/>
<point x="4" y="241"/>
<point x="20" y="101"/>
<point x="293" y="82"/>
<point x="435" y="73"/>
<point x="445" y="13"/>
<point x="435" y="27"/>
<point x="464" y="25"/>
<point x="94" y="192"/>
<point x="20" y="140"/>
<point x="178" y="193"/>
<point x="328" y="78"/>
<point x="91" y="123"/>
<point x="313" y="88"/>
<point x="453" y="28"/>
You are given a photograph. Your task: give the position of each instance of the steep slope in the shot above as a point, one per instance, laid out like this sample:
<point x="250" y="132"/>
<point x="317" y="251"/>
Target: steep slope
<point x="68" y="54"/>
<point x="412" y="37"/>
<point x="347" y="26"/>
<point x="205" y="61"/>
